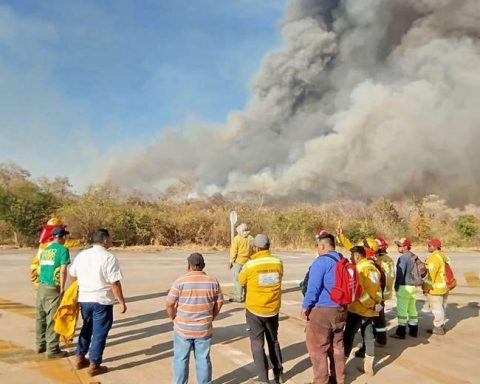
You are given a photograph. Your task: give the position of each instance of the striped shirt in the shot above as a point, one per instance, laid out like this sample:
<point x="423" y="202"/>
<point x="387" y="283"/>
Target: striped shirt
<point x="195" y="295"/>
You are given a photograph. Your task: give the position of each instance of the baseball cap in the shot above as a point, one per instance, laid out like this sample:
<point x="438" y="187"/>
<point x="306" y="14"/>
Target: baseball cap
<point x="436" y="243"/>
<point x="60" y="232"/>
<point x="196" y="260"/>
<point x="260" y="241"/>
<point x="403" y="242"/>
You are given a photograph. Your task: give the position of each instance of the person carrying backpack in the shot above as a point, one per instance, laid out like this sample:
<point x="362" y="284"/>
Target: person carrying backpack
<point x="408" y="277"/>
<point x="366" y="308"/>
<point x="325" y="317"/>
<point x="436" y="285"/>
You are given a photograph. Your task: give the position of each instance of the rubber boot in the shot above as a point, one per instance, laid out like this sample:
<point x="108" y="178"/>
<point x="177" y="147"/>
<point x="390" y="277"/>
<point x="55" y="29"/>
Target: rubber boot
<point x="413" y="330"/>
<point x="367" y="365"/>
<point x="400" y="333"/>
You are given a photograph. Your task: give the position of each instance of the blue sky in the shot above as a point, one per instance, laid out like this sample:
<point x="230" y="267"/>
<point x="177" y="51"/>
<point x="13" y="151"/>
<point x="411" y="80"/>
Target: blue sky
<point x="100" y="74"/>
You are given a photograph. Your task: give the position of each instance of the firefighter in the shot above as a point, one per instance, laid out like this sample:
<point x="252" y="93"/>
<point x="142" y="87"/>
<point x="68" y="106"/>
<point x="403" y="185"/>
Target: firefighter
<point x="362" y="311"/>
<point x="435" y="285"/>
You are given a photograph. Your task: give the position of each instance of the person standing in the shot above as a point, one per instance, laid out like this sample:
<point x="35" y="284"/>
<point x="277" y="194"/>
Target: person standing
<point x="406" y="289"/>
<point x="365" y="309"/>
<point x="436" y="285"/>
<point x="325" y="318"/>
<point x="193" y="302"/>
<point x="240" y="252"/>
<point x="98" y="274"/>
<point x="53" y="261"/>
<point x="262" y="276"/>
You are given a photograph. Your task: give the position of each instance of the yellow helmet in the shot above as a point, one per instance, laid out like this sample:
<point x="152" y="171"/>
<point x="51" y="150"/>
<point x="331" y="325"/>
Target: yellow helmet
<point x="371" y="243"/>
<point x="54" y="221"/>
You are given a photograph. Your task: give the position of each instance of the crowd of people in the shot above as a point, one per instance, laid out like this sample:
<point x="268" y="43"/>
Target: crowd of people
<point x="341" y="296"/>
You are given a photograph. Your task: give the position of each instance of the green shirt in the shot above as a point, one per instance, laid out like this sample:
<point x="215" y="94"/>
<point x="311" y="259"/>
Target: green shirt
<point x="52" y="257"/>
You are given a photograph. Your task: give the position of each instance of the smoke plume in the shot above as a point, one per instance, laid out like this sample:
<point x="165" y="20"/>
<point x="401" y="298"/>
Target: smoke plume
<point x="364" y="98"/>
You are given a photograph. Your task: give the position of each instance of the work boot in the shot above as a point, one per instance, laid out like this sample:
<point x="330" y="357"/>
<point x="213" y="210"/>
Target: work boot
<point x="81" y="362"/>
<point x="360" y="352"/>
<point x="367" y="365"/>
<point x="279" y="378"/>
<point x="413" y="330"/>
<point x="400" y="333"/>
<point x="381" y="339"/>
<point x="96" y="369"/>
<point x="58" y="354"/>
<point x="437" y="331"/>
<point x="41" y="349"/>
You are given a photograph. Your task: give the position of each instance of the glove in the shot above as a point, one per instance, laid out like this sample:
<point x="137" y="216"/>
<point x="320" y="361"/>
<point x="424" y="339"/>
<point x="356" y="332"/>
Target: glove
<point x="378" y="307"/>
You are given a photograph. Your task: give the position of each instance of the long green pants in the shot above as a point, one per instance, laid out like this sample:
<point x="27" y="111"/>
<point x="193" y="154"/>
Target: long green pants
<point x="48" y="300"/>
<point x="406" y="305"/>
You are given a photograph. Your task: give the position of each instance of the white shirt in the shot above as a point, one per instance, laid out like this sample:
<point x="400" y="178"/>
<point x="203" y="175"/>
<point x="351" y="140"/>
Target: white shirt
<point x="96" y="270"/>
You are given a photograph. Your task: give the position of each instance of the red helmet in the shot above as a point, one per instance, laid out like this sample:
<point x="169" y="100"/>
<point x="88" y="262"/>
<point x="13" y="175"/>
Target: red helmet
<point x="382" y="243"/>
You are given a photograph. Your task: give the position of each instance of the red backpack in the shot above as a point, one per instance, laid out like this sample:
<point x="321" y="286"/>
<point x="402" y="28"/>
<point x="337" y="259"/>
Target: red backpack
<point x="346" y="288"/>
<point x="450" y="277"/>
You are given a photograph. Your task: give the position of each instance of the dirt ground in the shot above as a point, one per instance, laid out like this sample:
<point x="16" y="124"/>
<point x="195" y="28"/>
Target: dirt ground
<point x="139" y="348"/>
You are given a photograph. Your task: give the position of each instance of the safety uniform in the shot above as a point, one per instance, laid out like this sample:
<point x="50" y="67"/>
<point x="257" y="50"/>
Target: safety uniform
<point x="362" y="311"/>
<point x="436" y="286"/>
<point x="240" y="252"/>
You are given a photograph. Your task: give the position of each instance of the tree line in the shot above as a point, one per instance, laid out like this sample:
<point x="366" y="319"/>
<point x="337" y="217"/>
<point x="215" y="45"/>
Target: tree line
<point x="173" y="219"/>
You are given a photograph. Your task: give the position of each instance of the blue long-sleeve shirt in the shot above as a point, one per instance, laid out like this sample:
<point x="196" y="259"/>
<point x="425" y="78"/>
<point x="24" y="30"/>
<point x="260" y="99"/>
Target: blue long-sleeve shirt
<point x="404" y="274"/>
<point x="321" y="279"/>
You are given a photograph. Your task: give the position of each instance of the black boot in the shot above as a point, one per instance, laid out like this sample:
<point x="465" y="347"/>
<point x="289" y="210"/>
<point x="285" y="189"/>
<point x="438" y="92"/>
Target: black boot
<point x="400" y="333"/>
<point x="413" y="330"/>
<point x="360" y="352"/>
<point x="381" y="339"/>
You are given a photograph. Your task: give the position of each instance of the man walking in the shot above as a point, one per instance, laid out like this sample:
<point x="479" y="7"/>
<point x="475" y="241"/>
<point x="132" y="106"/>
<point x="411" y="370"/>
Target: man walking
<point x="325" y="318"/>
<point x="436" y="285"/>
<point x="240" y="252"/>
<point x="262" y="277"/>
<point x="53" y="263"/>
<point x="193" y="302"/>
<point x="406" y="289"/>
<point x="365" y="309"/>
<point x="98" y="274"/>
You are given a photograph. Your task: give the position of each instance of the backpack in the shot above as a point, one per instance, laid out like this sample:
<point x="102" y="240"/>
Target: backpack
<point x="418" y="271"/>
<point x="346" y="288"/>
<point x="304" y="283"/>
<point x="450" y="277"/>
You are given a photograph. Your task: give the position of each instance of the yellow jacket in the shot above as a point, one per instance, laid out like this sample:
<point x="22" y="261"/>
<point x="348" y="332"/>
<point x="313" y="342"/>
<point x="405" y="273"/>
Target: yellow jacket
<point x="388" y="267"/>
<point x="262" y="276"/>
<point x="369" y="280"/>
<point x="435" y="282"/>
<point x="66" y="316"/>
<point x="240" y="250"/>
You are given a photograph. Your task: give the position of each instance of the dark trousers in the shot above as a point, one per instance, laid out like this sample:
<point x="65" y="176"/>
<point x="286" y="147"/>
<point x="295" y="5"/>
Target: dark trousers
<point x="97" y="321"/>
<point x="325" y="339"/>
<point x="354" y="323"/>
<point x="259" y="329"/>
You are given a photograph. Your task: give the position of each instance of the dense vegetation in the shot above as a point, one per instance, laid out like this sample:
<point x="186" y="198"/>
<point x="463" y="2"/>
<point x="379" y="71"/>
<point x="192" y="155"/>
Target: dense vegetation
<point x="172" y="219"/>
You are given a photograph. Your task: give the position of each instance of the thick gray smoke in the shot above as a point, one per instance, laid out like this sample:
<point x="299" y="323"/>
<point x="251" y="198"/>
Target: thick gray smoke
<point x="365" y="98"/>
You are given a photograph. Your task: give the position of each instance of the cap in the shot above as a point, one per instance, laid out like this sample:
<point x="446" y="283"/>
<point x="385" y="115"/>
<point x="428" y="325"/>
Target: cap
<point x="261" y="241"/>
<point x="320" y="232"/>
<point x="403" y="242"/>
<point x="436" y="243"/>
<point x="60" y="232"/>
<point x="196" y="260"/>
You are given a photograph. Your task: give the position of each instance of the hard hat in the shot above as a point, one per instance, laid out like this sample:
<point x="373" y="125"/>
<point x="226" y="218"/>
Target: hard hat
<point x="54" y="221"/>
<point x="382" y="243"/>
<point x="371" y="243"/>
<point x="435" y="243"/>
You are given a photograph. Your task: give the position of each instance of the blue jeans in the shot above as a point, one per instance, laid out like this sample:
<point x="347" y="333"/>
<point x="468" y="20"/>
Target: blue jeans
<point x="97" y="321"/>
<point x="181" y="359"/>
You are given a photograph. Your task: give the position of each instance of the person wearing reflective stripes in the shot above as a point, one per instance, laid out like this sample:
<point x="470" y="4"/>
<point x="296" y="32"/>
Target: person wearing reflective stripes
<point x="406" y="292"/>
<point x="435" y="285"/>
<point x="362" y="311"/>
<point x="262" y="277"/>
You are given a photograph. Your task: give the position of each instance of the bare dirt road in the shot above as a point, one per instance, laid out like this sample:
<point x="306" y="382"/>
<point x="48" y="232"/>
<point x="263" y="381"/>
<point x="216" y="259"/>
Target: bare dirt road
<point x="139" y="348"/>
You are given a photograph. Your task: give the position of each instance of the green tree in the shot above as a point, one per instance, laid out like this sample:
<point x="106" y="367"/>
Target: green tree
<point x="467" y="226"/>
